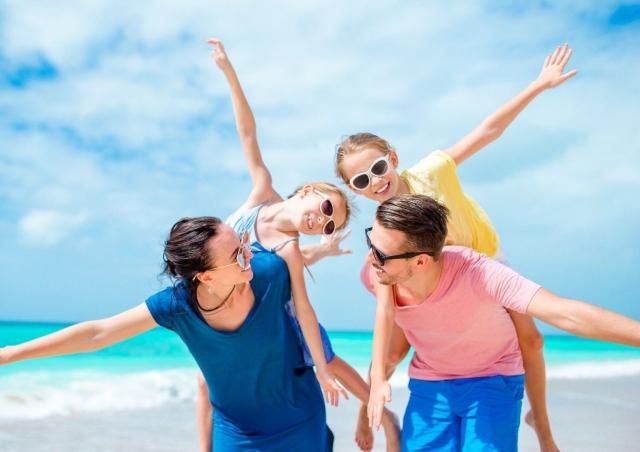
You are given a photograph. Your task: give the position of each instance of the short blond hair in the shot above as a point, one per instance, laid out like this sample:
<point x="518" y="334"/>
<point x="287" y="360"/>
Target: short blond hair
<point x="329" y="188"/>
<point x="357" y="143"/>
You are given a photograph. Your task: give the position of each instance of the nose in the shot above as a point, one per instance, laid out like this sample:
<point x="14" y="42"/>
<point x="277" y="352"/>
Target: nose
<point x="370" y="258"/>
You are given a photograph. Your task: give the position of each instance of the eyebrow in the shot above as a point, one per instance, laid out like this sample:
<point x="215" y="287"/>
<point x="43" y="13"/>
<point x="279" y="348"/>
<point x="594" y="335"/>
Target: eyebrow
<point x="235" y="252"/>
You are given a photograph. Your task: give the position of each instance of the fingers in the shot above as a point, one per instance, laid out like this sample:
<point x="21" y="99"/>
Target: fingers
<point x="546" y="61"/>
<point x="344" y="234"/>
<point x="568" y="75"/>
<point x="346" y="251"/>
<point x="554" y="55"/>
<point x="565" y="58"/>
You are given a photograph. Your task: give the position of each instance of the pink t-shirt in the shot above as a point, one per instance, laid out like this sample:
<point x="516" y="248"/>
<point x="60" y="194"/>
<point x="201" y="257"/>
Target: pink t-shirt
<point x="463" y="329"/>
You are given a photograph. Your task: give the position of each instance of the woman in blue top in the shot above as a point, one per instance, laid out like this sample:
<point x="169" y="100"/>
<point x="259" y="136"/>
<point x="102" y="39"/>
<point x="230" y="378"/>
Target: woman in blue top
<point x="231" y="315"/>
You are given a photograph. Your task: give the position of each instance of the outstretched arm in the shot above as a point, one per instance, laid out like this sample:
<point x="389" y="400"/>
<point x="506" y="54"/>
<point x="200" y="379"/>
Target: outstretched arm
<point x="83" y="337"/>
<point x="309" y="323"/>
<point x="584" y="319"/>
<point x="246" y="126"/>
<point x="380" y="388"/>
<point x="493" y="126"/>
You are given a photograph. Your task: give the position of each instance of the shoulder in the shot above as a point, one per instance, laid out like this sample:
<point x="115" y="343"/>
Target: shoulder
<point x="463" y="259"/>
<point x="433" y="162"/>
<point x="167" y="303"/>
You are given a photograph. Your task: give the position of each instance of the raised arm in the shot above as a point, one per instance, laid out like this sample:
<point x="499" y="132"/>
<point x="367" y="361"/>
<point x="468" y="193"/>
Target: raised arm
<point x="584" y="319"/>
<point x="493" y="126"/>
<point x="309" y="323"/>
<point x="83" y="337"/>
<point x="246" y="126"/>
<point x="380" y="388"/>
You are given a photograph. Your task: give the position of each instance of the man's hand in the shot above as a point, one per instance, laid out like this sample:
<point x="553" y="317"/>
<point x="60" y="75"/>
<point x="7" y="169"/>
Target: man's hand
<point x="380" y="394"/>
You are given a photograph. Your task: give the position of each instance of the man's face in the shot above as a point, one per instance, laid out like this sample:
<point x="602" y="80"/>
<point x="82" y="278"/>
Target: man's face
<point x="389" y="242"/>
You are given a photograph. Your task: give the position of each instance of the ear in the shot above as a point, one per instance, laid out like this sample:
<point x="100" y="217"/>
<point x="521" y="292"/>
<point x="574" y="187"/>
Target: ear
<point x="305" y="190"/>
<point x="395" y="161"/>
<point x="205" y="277"/>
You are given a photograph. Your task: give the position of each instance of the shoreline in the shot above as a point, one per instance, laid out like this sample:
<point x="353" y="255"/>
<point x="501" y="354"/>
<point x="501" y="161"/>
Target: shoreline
<point x="586" y="414"/>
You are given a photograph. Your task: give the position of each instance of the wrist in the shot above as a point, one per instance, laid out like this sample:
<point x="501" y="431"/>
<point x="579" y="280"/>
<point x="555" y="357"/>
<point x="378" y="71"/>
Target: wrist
<point x="538" y="86"/>
<point x="6" y="354"/>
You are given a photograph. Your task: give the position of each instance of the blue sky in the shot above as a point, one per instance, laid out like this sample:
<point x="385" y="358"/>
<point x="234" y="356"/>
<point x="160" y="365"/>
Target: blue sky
<point x="115" y="123"/>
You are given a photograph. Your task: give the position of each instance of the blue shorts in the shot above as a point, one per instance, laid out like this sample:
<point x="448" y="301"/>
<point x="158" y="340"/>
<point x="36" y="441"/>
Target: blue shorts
<point x="324" y="337"/>
<point x="468" y="414"/>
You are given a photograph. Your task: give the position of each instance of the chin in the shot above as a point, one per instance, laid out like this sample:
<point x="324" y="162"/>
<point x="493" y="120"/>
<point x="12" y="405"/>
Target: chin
<point x="248" y="275"/>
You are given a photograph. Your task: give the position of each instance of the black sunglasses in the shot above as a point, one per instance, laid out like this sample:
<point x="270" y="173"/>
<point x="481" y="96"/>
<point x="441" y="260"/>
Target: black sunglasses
<point x="381" y="258"/>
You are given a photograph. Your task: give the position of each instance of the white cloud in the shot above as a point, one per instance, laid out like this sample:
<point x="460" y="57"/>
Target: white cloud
<point x="49" y="227"/>
<point x="136" y="130"/>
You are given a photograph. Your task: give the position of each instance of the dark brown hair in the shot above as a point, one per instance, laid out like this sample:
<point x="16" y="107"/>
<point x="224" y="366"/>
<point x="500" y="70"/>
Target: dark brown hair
<point x="186" y="253"/>
<point x="422" y="219"/>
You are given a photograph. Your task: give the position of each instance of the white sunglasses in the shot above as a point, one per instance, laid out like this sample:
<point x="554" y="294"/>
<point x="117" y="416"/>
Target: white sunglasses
<point x="379" y="167"/>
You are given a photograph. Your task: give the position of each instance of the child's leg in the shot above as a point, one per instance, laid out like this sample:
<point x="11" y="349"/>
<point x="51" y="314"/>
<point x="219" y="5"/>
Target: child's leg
<point x="398" y="349"/>
<point x="204" y="419"/>
<point x="354" y="383"/>
<point x="531" y="344"/>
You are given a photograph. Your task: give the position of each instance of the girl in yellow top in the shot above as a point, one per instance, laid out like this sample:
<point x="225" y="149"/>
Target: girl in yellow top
<point x="367" y="164"/>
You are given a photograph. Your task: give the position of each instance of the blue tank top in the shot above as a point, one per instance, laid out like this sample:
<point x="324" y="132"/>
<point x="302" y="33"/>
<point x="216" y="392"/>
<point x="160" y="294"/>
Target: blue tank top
<point x="264" y="397"/>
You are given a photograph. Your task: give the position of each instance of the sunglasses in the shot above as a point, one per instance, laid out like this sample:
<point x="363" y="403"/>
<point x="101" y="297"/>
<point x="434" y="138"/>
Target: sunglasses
<point x="326" y="208"/>
<point x="381" y="258"/>
<point x="379" y="167"/>
<point x="241" y="254"/>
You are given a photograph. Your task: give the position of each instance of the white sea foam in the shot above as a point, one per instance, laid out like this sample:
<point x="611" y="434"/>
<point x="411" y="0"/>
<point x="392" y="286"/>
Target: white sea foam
<point x="36" y="395"/>
<point x="594" y="369"/>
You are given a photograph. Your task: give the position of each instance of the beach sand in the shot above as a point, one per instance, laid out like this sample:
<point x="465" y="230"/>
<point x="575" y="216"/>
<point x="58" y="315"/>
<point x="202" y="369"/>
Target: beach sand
<point x="587" y="415"/>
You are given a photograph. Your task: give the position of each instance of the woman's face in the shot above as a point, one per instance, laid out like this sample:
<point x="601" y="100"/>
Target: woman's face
<point x="229" y="251"/>
<point x="320" y="212"/>
<point x="370" y="162"/>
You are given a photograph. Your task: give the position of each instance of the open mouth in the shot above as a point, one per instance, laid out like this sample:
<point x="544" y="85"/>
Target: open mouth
<point x="309" y="222"/>
<point x="384" y="189"/>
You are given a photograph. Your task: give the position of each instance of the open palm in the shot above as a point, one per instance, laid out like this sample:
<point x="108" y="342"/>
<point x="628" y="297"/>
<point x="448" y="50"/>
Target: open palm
<point x="551" y="74"/>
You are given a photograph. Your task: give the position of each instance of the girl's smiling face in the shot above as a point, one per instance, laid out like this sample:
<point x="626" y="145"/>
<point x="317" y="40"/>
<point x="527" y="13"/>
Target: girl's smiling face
<point x="368" y="161"/>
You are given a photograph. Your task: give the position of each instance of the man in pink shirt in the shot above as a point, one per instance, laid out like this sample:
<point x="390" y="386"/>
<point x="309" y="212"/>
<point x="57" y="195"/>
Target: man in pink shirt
<point x="466" y="375"/>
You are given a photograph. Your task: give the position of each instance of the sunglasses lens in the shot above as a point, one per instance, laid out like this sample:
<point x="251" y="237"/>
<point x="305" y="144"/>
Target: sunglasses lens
<point x="360" y="182"/>
<point x="329" y="227"/>
<point x="380" y="168"/>
<point x="377" y="256"/>
<point x="326" y="207"/>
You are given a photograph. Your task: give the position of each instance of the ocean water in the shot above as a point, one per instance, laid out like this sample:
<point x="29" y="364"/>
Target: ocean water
<point x="155" y="369"/>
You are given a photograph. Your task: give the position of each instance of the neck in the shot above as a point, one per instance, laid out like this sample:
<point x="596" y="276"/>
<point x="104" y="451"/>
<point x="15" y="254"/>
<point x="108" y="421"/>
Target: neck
<point x="403" y="188"/>
<point x="217" y="296"/>
<point x="421" y="285"/>
<point x="279" y="216"/>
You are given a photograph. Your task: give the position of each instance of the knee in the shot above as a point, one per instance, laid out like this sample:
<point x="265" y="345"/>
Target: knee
<point x="531" y="342"/>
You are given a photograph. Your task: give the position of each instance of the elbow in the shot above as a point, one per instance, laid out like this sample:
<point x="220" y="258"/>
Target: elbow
<point x="492" y="133"/>
<point x="532" y="342"/>
<point x="247" y="134"/>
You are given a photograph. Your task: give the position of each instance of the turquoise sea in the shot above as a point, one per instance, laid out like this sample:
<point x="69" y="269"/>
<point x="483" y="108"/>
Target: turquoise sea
<point x="155" y="368"/>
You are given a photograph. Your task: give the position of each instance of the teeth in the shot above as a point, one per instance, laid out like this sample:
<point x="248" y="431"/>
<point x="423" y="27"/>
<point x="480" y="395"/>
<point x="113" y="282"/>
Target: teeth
<point x="383" y="188"/>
